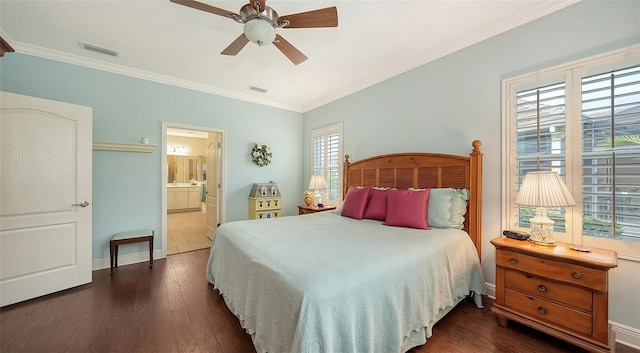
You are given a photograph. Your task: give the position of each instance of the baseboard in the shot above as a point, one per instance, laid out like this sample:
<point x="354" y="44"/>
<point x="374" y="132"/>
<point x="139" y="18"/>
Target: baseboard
<point x="491" y="290"/>
<point x="625" y="335"/>
<point x="99" y="264"/>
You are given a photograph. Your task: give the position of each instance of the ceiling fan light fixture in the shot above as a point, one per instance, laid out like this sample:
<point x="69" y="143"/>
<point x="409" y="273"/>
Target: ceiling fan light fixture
<point x="259" y="31"/>
<point x="260" y="23"/>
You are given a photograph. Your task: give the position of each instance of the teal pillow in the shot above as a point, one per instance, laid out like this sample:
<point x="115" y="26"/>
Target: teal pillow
<point x="439" y="208"/>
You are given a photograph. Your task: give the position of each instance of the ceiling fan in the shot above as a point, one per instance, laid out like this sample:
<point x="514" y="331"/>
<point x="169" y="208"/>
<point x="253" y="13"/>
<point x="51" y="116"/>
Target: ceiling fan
<point x="260" y="23"/>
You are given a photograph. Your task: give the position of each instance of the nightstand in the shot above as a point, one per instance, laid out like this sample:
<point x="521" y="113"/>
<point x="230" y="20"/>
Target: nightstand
<point x="556" y="290"/>
<point x="304" y="209"/>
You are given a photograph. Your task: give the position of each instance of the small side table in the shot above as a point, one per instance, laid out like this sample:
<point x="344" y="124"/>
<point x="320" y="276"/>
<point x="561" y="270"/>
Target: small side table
<point x="304" y="209"/>
<point x="135" y="236"/>
<point x="556" y="290"/>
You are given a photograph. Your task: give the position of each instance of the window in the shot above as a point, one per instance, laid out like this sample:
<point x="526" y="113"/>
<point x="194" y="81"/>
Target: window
<point x="583" y="121"/>
<point x="611" y="154"/>
<point x="540" y="121"/>
<point x="326" y="159"/>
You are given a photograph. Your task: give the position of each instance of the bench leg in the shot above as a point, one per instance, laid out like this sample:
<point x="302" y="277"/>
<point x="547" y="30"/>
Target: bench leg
<point x="151" y="252"/>
<point x="111" y="250"/>
<point x="114" y="245"/>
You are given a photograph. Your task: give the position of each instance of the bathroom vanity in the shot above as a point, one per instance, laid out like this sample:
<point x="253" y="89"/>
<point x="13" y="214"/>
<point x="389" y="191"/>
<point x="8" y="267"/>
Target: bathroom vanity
<point x="183" y="197"/>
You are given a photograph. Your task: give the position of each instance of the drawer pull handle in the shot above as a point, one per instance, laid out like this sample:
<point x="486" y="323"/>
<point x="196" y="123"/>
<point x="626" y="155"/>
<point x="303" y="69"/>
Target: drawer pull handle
<point x="542" y="288"/>
<point x="513" y="261"/>
<point x="577" y="275"/>
<point x="542" y="310"/>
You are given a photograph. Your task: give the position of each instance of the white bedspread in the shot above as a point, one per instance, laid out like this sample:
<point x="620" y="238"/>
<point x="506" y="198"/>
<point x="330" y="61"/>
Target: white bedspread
<point x="326" y="283"/>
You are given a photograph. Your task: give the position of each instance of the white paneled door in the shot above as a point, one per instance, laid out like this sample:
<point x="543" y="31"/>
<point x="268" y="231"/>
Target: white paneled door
<point x="213" y="181"/>
<point x="45" y="208"/>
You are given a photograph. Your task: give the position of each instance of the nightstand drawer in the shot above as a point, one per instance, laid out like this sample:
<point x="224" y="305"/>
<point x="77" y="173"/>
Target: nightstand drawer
<point x="542" y="287"/>
<point x="302" y="211"/>
<point x="545" y="310"/>
<point x="557" y="270"/>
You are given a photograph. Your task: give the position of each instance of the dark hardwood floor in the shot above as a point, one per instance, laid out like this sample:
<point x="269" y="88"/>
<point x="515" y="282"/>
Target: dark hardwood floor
<point x="172" y="308"/>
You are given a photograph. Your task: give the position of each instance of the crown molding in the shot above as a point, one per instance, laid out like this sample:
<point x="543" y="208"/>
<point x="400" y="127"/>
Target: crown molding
<point x="55" y="55"/>
<point x="514" y="21"/>
<point x="433" y="54"/>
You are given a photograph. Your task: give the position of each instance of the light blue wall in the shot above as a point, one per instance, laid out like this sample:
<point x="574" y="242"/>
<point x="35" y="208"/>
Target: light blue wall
<point x="444" y="105"/>
<point x="126" y="185"/>
<point x="438" y="107"/>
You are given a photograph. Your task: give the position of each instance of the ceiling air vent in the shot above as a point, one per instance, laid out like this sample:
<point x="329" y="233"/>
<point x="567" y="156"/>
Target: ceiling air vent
<point x="257" y="89"/>
<point x="98" y="49"/>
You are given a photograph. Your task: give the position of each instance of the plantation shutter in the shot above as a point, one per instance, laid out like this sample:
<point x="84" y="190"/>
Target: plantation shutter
<point x="327" y="159"/>
<point x="540" y="128"/>
<point x="611" y="154"/>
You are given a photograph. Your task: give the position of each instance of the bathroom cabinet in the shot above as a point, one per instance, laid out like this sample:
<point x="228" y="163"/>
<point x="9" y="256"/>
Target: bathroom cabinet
<point x="183" y="198"/>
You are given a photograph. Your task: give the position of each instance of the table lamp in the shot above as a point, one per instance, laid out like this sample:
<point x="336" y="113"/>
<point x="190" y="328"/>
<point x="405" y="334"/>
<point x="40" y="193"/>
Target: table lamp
<point x="541" y="190"/>
<point x="316" y="184"/>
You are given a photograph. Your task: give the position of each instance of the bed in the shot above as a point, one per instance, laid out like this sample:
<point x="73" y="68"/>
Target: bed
<point x="324" y="282"/>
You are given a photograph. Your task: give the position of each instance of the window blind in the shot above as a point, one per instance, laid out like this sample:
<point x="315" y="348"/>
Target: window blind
<point x="611" y="154"/>
<point x="540" y="128"/>
<point x="327" y="154"/>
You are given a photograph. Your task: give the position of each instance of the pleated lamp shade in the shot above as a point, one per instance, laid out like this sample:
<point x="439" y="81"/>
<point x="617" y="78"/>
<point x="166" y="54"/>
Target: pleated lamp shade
<point x="317" y="182"/>
<point x="544" y="189"/>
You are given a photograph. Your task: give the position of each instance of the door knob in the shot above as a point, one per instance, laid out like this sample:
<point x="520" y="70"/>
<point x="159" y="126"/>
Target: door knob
<point x="81" y="204"/>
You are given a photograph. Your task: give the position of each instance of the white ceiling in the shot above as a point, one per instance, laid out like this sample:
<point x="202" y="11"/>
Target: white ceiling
<point x="170" y="43"/>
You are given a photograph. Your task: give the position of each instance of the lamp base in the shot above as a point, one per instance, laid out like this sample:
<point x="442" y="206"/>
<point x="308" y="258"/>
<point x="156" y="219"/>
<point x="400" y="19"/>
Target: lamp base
<point x="579" y="248"/>
<point x="317" y="201"/>
<point x="543" y="242"/>
<point x="541" y="228"/>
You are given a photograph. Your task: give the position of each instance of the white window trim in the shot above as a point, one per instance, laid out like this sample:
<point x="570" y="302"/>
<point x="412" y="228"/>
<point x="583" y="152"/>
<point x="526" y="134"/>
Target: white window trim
<point x="572" y="74"/>
<point x="325" y="131"/>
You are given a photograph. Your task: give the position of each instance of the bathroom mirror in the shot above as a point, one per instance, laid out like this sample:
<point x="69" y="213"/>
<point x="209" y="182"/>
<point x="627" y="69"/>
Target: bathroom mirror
<point x="183" y="169"/>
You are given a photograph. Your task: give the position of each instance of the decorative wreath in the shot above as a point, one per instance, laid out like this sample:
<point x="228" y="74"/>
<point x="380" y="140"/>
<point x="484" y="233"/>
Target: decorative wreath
<point x="261" y="155"/>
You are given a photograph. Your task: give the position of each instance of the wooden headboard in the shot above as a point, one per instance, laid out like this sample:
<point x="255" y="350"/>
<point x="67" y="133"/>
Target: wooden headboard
<point x="425" y="170"/>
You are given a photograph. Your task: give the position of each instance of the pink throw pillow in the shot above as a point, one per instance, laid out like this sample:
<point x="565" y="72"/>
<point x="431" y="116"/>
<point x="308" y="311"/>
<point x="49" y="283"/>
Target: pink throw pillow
<point x="377" y="207"/>
<point x="356" y="202"/>
<point x="407" y="208"/>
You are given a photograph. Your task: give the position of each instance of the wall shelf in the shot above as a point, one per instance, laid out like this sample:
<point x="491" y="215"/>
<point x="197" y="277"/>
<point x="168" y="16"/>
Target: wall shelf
<point x="123" y="147"/>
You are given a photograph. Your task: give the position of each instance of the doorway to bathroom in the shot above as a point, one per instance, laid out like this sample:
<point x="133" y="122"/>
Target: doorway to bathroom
<point x="192" y="186"/>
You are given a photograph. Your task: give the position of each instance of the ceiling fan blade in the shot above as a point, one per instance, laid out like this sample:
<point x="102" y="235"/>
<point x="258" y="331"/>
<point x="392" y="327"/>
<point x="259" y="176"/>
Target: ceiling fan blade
<point x="205" y="7"/>
<point x="317" y="18"/>
<point x="261" y="2"/>
<point x="289" y="50"/>
<point x="235" y="46"/>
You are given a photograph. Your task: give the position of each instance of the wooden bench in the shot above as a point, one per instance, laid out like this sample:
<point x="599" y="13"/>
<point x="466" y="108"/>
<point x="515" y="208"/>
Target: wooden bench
<point x="135" y="236"/>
